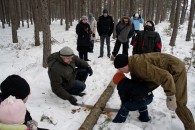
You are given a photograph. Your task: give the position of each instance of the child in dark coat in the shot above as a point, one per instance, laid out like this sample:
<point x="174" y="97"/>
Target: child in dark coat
<point x="134" y="96"/>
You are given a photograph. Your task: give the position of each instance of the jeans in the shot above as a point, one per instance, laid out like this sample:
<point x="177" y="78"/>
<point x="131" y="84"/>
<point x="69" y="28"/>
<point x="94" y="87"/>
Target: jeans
<point x="79" y="84"/>
<point x="102" y="38"/>
<point x="133" y="106"/>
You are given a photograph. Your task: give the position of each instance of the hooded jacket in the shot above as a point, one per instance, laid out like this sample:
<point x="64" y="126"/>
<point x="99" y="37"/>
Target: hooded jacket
<point x="62" y="75"/>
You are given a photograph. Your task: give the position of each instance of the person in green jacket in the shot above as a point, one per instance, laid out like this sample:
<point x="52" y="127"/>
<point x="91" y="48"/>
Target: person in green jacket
<point x="68" y="73"/>
<point x="155" y="69"/>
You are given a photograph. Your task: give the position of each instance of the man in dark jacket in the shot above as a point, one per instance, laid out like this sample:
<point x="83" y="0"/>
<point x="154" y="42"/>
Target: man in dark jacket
<point x="67" y="80"/>
<point x="105" y="27"/>
<point x="134" y="96"/>
<point x="155" y="69"/>
<point x="147" y="40"/>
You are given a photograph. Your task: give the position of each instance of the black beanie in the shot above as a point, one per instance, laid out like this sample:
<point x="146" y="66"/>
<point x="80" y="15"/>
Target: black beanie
<point x="16" y="86"/>
<point x="121" y="60"/>
<point x="149" y="21"/>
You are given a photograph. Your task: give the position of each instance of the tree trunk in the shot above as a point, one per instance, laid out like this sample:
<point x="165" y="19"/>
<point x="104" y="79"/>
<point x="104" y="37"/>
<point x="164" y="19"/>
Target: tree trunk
<point x="93" y="116"/>
<point x="61" y="12"/>
<point x="36" y="22"/>
<point x="176" y="24"/>
<point x="67" y="14"/>
<point x="158" y="12"/>
<point x="190" y="23"/>
<point x="172" y="14"/>
<point x="2" y="13"/>
<point x="14" y="21"/>
<point x="115" y="17"/>
<point x="183" y="14"/>
<point x="46" y="32"/>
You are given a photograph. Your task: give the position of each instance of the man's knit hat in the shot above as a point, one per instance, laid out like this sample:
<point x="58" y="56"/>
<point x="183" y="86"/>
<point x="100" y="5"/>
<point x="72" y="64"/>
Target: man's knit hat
<point x="120" y="61"/>
<point x="118" y="77"/>
<point x="66" y="52"/>
<point x="149" y="21"/>
<point x="12" y="111"/>
<point x="16" y="86"/>
<point x="105" y="10"/>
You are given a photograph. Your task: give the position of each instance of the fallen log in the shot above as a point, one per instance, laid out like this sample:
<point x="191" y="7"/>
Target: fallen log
<point x="98" y="108"/>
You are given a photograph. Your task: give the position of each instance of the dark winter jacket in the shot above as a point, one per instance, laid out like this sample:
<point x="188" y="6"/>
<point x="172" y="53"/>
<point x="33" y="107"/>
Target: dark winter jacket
<point x="124" y="30"/>
<point x="84" y="33"/>
<point x="147" y="41"/>
<point x="129" y="90"/>
<point x="105" y="25"/>
<point x="62" y="75"/>
<point x="27" y="116"/>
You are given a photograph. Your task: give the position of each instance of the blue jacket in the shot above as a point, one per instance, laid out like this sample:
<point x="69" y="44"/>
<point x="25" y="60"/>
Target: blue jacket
<point x="136" y="22"/>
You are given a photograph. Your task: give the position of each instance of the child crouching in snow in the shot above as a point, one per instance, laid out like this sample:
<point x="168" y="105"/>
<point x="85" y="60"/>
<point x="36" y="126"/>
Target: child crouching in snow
<point x="18" y="87"/>
<point x="134" y="96"/>
<point x="12" y="114"/>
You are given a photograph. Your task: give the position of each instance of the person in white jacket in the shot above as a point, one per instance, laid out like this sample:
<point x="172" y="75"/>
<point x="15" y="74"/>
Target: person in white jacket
<point x="93" y="25"/>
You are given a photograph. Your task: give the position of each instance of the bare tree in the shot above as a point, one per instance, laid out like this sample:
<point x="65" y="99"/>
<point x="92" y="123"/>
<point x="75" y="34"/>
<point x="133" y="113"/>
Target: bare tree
<point x="189" y="32"/>
<point x="176" y="24"/>
<point x="158" y="11"/>
<point x="2" y="13"/>
<point x="67" y="14"/>
<point x="36" y="22"/>
<point x="172" y="14"/>
<point x="14" y="21"/>
<point x="46" y="32"/>
<point x="115" y="17"/>
<point x="184" y="8"/>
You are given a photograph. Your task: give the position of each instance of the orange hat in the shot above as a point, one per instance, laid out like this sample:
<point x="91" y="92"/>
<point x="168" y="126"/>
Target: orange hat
<point x="118" y="77"/>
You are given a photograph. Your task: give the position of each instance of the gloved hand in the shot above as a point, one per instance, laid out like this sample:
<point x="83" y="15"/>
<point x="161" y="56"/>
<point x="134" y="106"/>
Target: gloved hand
<point x="81" y="94"/>
<point x="93" y="35"/>
<point x="90" y="71"/>
<point x="32" y="124"/>
<point x="73" y="100"/>
<point x="140" y="16"/>
<point x="171" y="103"/>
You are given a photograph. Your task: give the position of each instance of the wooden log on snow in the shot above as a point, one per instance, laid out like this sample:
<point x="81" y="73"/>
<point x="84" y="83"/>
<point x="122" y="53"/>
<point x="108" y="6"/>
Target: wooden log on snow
<point x="98" y="108"/>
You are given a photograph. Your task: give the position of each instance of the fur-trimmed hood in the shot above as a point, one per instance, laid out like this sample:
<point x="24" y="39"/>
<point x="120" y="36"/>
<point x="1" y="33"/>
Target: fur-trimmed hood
<point x="125" y="17"/>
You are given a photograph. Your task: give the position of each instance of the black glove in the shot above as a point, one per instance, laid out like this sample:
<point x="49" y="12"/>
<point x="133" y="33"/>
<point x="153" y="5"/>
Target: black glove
<point x="93" y="35"/>
<point x="140" y="16"/>
<point x="90" y="71"/>
<point x="73" y="100"/>
<point x="81" y="94"/>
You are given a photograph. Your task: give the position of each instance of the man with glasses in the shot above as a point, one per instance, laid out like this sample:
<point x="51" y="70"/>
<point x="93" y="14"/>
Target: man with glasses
<point x="124" y="31"/>
<point x="147" y="40"/>
<point x="67" y="73"/>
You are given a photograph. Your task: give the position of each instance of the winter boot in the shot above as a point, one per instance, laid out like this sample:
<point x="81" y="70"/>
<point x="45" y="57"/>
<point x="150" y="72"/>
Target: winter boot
<point x="121" y="115"/>
<point x="144" y="115"/>
<point x="112" y="58"/>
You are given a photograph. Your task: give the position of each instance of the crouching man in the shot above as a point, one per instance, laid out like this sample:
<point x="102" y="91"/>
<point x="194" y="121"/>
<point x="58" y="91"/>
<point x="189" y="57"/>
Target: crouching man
<point x="68" y="74"/>
<point x="134" y="96"/>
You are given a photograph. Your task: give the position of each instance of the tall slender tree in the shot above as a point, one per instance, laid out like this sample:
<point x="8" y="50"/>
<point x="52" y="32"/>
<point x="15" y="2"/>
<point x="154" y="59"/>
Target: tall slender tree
<point x="14" y="21"/>
<point x="176" y="24"/>
<point x="190" y="23"/>
<point x="46" y="32"/>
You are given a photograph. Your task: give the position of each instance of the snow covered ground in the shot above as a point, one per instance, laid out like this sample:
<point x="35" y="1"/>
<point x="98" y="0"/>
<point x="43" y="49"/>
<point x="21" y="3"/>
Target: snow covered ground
<point x="25" y="60"/>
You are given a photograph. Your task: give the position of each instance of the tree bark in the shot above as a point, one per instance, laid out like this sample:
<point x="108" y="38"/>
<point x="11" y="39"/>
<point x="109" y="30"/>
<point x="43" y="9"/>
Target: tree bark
<point x="190" y="23"/>
<point x="93" y="116"/>
<point x="172" y="14"/>
<point x="115" y="17"/>
<point x="176" y="24"/>
<point x="14" y="21"/>
<point x="183" y="14"/>
<point x="46" y="32"/>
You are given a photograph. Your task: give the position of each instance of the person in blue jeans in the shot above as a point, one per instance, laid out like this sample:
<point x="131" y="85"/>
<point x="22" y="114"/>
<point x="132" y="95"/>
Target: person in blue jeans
<point x="134" y="96"/>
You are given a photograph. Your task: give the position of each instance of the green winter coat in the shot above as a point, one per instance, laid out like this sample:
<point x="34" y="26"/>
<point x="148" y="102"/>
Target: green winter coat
<point x="62" y="75"/>
<point x="157" y="69"/>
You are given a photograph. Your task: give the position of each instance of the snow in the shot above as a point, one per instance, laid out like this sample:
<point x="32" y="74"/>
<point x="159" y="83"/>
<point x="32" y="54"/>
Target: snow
<point x="25" y="59"/>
